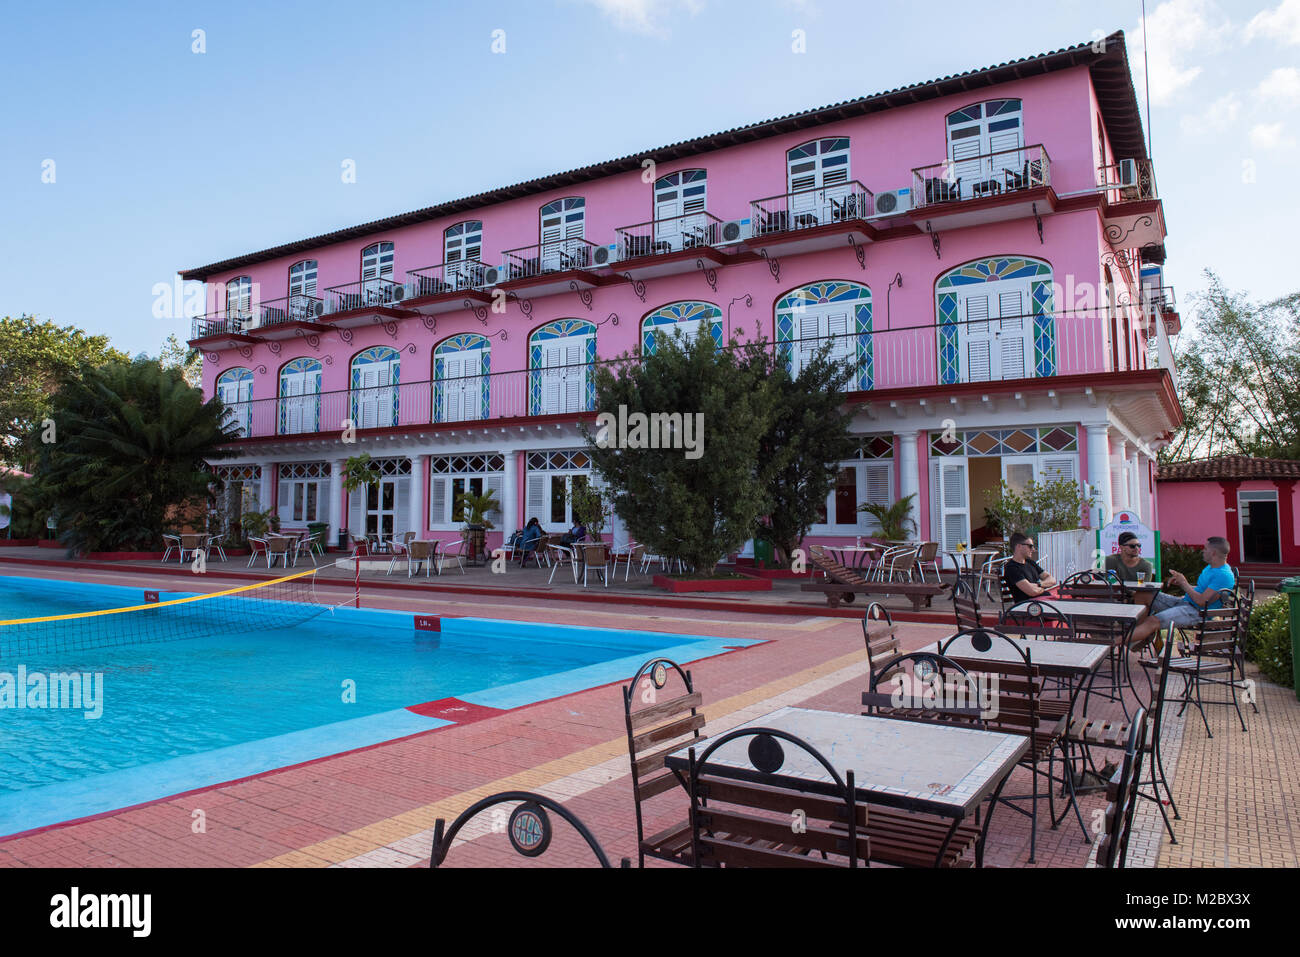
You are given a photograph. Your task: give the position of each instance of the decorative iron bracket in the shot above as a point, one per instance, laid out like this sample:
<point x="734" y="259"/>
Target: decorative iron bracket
<point x="390" y="326"/>
<point x="409" y="347"/>
<point x="773" y="264"/>
<point x="583" y="294"/>
<point x="245" y="351"/>
<point x="710" y="274"/>
<point x="213" y="357"/>
<point x="430" y="322"/>
<point x="612" y="319"/>
<point x="260" y="369"/>
<point x="312" y="338"/>
<point x="274" y="346"/>
<point x="638" y="286"/>
<point x="525" y="305"/>
<point x="345" y="335"/>
<point x="860" y="251"/>
<point x="749" y="303"/>
<point x="934" y="238"/>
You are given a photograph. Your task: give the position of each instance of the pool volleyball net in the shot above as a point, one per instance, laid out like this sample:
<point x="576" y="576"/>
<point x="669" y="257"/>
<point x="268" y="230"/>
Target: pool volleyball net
<point x="279" y="603"/>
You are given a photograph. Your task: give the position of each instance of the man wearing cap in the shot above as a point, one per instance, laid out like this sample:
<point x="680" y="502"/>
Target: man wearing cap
<point x="1129" y="561"/>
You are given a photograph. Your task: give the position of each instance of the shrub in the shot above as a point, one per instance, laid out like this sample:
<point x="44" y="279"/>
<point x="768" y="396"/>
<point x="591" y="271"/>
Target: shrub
<point x="1184" y="558"/>
<point x="1268" y="639"/>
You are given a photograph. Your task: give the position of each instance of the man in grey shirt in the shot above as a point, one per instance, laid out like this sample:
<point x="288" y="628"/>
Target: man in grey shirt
<point x="1129" y="561"/>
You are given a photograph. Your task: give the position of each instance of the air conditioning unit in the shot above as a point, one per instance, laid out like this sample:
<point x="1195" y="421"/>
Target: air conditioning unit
<point x="397" y="293"/>
<point x="893" y="201"/>
<point x="1128" y="174"/>
<point x="734" y="231"/>
<point x="604" y="255"/>
<point x="495" y="275"/>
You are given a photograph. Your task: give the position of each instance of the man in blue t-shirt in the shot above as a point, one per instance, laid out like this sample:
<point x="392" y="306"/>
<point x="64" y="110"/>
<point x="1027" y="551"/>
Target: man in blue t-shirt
<point x="1216" y="577"/>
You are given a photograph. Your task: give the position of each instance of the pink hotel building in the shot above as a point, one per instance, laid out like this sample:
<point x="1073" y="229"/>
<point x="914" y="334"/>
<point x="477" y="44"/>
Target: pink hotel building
<point x="985" y="250"/>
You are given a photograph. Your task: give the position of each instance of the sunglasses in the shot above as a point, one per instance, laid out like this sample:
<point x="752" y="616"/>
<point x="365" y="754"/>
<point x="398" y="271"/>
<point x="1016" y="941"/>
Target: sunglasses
<point x="1132" y="544"/>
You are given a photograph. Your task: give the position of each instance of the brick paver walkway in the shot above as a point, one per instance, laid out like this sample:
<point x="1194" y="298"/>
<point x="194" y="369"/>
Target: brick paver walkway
<point x="376" y="806"/>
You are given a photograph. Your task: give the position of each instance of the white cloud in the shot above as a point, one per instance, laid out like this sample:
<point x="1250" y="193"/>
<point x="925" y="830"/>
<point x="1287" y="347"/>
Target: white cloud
<point x="1281" y="87"/>
<point x="1268" y="136"/>
<point x="1180" y="32"/>
<point x="1215" y="118"/>
<point x="648" y="17"/>
<point x="1281" y="23"/>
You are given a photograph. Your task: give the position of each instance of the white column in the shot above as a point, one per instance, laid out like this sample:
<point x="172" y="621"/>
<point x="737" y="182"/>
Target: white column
<point x="1099" y="470"/>
<point x="419" y="493"/>
<point x="336" y="499"/>
<point x="264" y="491"/>
<point x="909" y="479"/>
<point x="1132" y="481"/>
<point x="509" y="494"/>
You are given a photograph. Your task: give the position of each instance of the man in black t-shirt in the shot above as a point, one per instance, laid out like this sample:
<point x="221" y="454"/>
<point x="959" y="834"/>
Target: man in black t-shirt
<point x="1022" y="575"/>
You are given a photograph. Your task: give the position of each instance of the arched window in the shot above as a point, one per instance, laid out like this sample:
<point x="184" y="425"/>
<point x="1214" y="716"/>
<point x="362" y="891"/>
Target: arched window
<point x="561" y="231"/>
<point x="374" y="388"/>
<point x="235" y="389"/>
<point x="560" y="355"/>
<point x="300" y="396"/>
<point x="995" y="320"/>
<point x="460" y="374"/>
<point x="984" y="144"/>
<point x="239" y="301"/>
<point x="818" y="183"/>
<point x="302" y="289"/>
<point x="462" y="247"/>
<point x="831" y="311"/>
<point x="683" y="316"/>
<point x="377" y="273"/>
<point x="678" y="200"/>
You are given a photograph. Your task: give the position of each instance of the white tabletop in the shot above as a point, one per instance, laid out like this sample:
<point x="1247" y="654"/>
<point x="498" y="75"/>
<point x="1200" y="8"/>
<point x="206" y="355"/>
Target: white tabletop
<point x="1051" y="657"/>
<point x="1111" y="611"/>
<point x="936" y="767"/>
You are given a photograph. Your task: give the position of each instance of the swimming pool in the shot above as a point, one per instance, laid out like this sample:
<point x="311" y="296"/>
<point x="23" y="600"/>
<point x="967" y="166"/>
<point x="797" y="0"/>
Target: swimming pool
<point x="186" y="714"/>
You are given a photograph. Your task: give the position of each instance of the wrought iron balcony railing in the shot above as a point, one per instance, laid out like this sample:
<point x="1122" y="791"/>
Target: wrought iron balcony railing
<point x="220" y="324"/>
<point x="455" y="276"/>
<point x="672" y="234"/>
<point x="992" y="350"/>
<point x="976" y="177"/>
<point x="1128" y="180"/>
<point x="364" y="294"/>
<point x="559" y="255"/>
<point x="807" y="208"/>
<point x="298" y="308"/>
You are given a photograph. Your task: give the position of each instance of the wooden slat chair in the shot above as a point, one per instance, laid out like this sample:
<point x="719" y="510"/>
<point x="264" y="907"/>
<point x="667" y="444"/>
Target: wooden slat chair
<point x="880" y="635"/>
<point x="655" y="730"/>
<point x="1122" y="795"/>
<point x="283" y="548"/>
<point x="1040" y="620"/>
<point x="766" y="821"/>
<point x="528" y="828"/>
<point x="1210" y="657"/>
<point x="1019" y="710"/>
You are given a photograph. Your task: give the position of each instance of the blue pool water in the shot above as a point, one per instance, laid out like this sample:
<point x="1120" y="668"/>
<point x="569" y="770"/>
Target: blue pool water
<point x="184" y="714"/>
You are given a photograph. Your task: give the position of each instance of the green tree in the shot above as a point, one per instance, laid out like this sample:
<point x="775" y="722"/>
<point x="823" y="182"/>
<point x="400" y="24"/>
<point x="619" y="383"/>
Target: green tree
<point x="1239" y="378"/>
<point x="693" y="508"/>
<point x="806" y="439"/>
<point x="1055" y="505"/>
<point x="177" y="355"/>
<point x="131" y="454"/>
<point x="34" y="357"/>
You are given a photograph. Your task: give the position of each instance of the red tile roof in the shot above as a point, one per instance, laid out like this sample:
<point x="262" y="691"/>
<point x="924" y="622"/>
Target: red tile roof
<point x="1229" y="467"/>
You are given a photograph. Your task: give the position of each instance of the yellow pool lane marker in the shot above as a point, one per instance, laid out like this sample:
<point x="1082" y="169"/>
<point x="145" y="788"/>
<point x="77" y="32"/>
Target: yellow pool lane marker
<point x="382" y="833"/>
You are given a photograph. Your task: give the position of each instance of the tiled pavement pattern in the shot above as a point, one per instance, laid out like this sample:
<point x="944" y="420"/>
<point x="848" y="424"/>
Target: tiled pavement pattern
<point x="376" y="807"/>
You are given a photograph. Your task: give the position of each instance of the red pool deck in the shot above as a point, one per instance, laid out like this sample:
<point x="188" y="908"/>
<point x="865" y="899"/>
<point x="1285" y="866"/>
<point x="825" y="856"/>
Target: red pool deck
<point x="376" y="807"/>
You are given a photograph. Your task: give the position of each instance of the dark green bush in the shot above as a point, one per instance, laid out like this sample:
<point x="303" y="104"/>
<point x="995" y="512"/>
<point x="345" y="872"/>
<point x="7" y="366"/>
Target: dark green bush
<point x="1184" y="558"/>
<point x="1268" y="639"/>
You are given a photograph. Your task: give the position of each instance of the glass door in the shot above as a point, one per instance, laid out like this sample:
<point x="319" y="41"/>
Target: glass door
<point x="381" y="508"/>
<point x="1257" y="523"/>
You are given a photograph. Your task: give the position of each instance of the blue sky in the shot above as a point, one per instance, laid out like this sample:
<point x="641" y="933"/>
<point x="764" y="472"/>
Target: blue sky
<point x="164" y="158"/>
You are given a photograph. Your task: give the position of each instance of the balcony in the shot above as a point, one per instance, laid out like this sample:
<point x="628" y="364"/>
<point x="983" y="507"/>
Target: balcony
<point x="217" y="331"/>
<point x="363" y="302"/>
<point x="549" y="267"/>
<point x="662" y="247"/>
<point x="288" y="317"/>
<point x="989" y="188"/>
<point x="1016" y="348"/>
<point x="808" y="220"/>
<point x="1159" y="305"/>
<point x="1132" y="213"/>
<point x="447" y="287"/>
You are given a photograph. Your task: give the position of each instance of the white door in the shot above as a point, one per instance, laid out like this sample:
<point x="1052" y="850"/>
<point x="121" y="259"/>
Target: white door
<point x="462" y="385"/>
<point x="301" y="401"/>
<point x="376" y="269"/>
<point x="950" y="488"/>
<point x="462" y="244"/>
<point x="996" y="335"/>
<point x="377" y="396"/>
<point x="983" y="147"/>
<point x="564" y="375"/>
<point x="562" y="233"/>
<point x="384" y="514"/>
<point x="677" y="197"/>
<point x="816" y="179"/>
<point x="238" y="395"/>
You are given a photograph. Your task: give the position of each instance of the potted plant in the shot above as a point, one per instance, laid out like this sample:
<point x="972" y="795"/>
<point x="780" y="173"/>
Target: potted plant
<point x="892" y="519"/>
<point x="475" y="508"/>
<point x="358" y="472"/>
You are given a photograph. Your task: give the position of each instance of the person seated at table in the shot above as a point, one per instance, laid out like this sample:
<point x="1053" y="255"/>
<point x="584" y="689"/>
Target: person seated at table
<point x="1216" y="577"/>
<point x="528" y="540"/>
<point x="1129" y="561"/>
<point x="576" y="534"/>
<point x="1023" y="576"/>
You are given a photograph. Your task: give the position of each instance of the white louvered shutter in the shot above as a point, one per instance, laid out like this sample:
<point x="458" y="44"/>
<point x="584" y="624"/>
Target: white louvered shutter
<point x="979" y="344"/>
<point x="357" y="512"/>
<point x="537" y="497"/>
<point x="552" y="377"/>
<point x="402" y="520"/>
<point x="1012" y="338"/>
<point x="285" y="503"/>
<point x="575" y="376"/>
<point x="1058" y="467"/>
<point x="956" y="512"/>
<point x="494" y="484"/>
<point x="877" y="481"/>
<point x="438" y="512"/>
<point x="837" y="327"/>
<point x="453" y="387"/>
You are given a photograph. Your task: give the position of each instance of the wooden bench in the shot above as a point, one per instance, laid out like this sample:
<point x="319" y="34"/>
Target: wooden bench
<point x="919" y="593"/>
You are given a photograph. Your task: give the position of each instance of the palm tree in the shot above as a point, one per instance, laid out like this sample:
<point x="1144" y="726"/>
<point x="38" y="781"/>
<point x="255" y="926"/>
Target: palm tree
<point x="131" y="454"/>
<point x="893" y="519"/>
